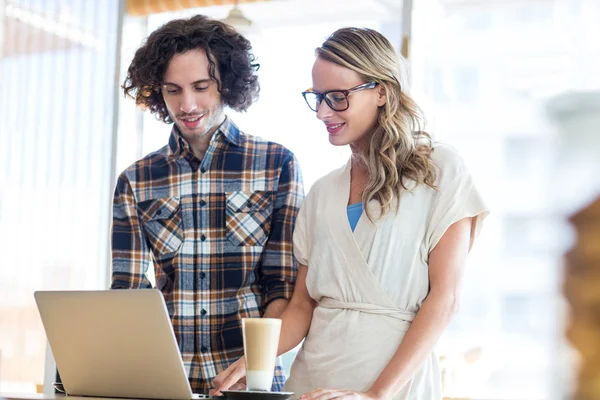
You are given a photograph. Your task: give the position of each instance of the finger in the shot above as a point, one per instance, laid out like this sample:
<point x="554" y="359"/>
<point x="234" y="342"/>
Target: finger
<point x="322" y="394"/>
<point x="232" y="379"/>
<point x="238" y="386"/>
<point x="222" y="377"/>
<point x="218" y="383"/>
<point x="312" y="394"/>
<point x="218" y="380"/>
<point x="343" y="395"/>
<point x="229" y="381"/>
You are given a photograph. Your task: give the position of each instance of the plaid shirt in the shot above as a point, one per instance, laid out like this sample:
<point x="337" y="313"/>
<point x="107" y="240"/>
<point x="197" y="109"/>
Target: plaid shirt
<point x="219" y="232"/>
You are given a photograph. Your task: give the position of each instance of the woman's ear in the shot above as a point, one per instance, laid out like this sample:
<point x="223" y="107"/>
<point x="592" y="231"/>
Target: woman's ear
<point x="381" y="96"/>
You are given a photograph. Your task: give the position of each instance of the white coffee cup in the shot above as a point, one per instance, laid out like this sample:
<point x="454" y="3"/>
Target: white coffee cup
<point x="261" y="340"/>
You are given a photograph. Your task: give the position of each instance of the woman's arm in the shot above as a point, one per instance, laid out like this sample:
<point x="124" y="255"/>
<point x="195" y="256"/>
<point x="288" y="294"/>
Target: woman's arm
<point x="295" y="322"/>
<point x="446" y="263"/>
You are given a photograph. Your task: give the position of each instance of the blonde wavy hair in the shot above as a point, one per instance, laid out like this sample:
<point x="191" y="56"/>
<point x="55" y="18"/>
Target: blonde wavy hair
<point x="399" y="151"/>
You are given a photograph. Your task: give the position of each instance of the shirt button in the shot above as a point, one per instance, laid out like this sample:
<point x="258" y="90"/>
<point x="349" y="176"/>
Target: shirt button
<point x="203" y="349"/>
<point x="202" y="275"/>
<point x="203" y="238"/>
<point x="202" y="203"/>
<point x="202" y="170"/>
<point x="249" y="203"/>
<point x="203" y="312"/>
<point x="158" y="212"/>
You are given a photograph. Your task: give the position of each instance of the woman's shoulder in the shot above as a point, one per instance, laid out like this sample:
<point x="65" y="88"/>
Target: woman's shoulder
<point x="329" y="179"/>
<point x="447" y="159"/>
<point x="325" y="183"/>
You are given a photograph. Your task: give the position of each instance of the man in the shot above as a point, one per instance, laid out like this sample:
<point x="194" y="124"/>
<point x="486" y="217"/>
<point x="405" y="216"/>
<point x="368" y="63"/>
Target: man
<point x="215" y="208"/>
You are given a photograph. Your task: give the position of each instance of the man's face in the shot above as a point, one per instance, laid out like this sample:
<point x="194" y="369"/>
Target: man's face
<point x="192" y="98"/>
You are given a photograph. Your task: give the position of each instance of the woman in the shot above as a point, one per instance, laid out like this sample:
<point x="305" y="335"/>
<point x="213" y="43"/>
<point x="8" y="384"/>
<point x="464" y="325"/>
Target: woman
<point x="381" y="242"/>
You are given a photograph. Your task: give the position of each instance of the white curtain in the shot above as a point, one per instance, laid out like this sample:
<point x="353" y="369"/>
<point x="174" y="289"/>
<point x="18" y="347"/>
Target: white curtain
<point x="57" y="88"/>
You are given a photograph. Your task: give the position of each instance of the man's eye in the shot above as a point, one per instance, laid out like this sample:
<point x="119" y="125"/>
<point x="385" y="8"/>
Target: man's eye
<point x="201" y="88"/>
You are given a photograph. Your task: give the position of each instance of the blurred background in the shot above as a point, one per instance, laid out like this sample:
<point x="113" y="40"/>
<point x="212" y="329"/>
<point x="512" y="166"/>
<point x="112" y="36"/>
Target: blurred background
<point x="482" y="70"/>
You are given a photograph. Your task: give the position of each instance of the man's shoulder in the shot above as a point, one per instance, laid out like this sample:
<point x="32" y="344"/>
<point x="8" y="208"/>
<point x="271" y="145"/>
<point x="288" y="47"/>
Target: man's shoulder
<point x="159" y="159"/>
<point x="259" y="145"/>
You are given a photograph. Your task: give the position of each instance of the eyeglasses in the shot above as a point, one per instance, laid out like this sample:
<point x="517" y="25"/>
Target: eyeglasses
<point x="337" y="100"/>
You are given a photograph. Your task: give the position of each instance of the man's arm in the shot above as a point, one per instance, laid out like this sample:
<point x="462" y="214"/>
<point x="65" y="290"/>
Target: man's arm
<point x="130" y="253"/>
<point x="279" y="267"/>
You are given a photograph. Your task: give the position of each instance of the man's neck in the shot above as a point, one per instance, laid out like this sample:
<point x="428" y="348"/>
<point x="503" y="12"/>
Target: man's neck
<point x="200" y="145"/>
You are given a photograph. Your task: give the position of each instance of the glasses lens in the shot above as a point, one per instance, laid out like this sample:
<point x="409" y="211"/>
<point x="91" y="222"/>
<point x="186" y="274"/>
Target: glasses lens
<point x="312" y="100"/>
<point x="337" y="101"/>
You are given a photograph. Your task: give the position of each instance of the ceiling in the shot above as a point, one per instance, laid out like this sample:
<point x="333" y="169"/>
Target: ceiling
<point x="27" y="31"/>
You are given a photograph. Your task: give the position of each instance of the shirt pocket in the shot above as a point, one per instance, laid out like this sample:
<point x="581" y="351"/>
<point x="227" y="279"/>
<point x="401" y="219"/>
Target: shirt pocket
<point x="163" y="224"/>
<point x="248" y="218"/>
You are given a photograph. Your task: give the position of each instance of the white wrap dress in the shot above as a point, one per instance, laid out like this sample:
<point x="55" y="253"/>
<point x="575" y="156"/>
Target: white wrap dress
<point x="369" y="284"/>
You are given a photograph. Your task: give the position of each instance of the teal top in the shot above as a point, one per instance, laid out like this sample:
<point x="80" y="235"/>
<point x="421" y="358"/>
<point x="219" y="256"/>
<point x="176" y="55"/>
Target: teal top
<point x="354" y="213"/>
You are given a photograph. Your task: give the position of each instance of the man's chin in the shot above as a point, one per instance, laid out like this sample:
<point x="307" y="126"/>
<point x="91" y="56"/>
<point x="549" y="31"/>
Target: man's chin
<point x="192" y="133"/>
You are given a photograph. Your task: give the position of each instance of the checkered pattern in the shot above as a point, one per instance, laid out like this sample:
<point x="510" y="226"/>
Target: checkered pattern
<point x="247" y="218"/>
<point x="219" y="233"/>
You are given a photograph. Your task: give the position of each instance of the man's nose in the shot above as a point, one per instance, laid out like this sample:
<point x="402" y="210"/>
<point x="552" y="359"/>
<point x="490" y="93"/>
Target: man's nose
<point x="188" y="102"/>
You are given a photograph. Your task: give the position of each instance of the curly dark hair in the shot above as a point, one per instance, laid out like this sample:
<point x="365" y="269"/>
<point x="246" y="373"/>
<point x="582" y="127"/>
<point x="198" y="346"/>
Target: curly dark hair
<point x="236" y="64"/>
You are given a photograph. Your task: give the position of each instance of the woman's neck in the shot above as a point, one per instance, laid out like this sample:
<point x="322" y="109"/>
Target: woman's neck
<point x="358" y="147"/>
<point x="359" y="179"/>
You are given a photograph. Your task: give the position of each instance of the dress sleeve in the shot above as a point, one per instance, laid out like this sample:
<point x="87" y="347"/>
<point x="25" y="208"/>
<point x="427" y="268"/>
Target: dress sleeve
<point x="301" y="234"/>
<point x="456" y="198"/>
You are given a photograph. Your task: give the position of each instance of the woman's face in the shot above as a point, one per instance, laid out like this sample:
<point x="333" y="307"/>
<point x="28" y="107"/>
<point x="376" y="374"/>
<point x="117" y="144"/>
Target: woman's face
<point x="356" y="124"/>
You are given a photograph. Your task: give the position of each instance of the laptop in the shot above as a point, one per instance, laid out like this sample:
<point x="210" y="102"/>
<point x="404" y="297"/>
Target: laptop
<point x="114" y="343"/>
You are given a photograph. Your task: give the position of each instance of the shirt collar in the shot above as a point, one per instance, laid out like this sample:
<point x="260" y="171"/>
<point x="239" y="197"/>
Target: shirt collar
<point x="228" y="131"/>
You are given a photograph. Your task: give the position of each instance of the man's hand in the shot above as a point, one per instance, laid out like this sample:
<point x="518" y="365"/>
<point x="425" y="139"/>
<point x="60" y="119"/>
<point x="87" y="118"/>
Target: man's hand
<point x="233" y="378"/>
<point x="327" y="394"/>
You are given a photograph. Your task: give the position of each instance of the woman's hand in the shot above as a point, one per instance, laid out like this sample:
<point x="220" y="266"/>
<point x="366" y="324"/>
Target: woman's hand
<point x="233" y="378"/>
<point x="327" y="394"/>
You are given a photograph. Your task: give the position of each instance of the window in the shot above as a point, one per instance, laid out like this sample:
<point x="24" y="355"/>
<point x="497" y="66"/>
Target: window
<point x="55" y="163"/>
<point x="507" y="340"/>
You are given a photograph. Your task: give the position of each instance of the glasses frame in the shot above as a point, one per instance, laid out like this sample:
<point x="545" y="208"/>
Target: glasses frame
<point x="323" y="96"/>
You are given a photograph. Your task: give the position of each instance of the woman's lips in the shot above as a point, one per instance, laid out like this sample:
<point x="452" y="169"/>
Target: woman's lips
<point x="334" y="128"/>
